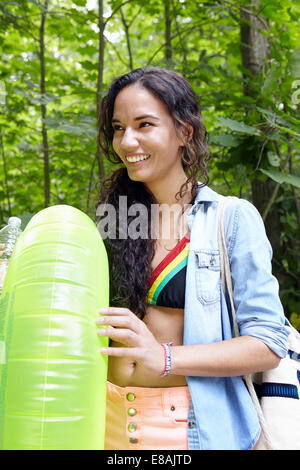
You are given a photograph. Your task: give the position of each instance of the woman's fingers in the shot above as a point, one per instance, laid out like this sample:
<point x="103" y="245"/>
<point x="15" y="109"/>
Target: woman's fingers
<point x="120" y="318"/>
<point x="116" y="311"/>
<point x="126" y="328"/>
<point x="119" y="322"/>
<point x="121" y="335"/>
<point x="120" y="352"/>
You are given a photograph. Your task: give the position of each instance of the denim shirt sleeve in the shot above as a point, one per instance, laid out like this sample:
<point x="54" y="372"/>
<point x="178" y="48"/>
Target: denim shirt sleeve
<point x="258" y="308"/>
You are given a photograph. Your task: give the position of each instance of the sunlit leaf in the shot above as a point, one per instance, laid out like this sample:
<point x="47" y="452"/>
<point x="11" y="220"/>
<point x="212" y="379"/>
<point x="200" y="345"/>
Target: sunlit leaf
<point x="238" y="126"/>
<point x="281" y="178"/>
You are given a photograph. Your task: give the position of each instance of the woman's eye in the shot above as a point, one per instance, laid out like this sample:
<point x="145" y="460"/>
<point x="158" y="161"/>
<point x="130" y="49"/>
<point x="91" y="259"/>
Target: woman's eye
<point x="117" y="128"/>
<point x="145" y="124"/>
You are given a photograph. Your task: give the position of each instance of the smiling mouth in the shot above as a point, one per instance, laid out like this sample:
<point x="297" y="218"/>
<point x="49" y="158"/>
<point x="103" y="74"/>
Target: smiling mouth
<point x="137" y="158"/>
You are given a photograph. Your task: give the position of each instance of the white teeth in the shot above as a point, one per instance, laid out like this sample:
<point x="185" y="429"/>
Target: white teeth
<point x="137" y="159"/>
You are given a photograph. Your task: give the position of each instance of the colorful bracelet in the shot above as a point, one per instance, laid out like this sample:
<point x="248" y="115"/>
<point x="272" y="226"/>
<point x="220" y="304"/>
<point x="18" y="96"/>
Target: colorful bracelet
<point x="168" y="362"/>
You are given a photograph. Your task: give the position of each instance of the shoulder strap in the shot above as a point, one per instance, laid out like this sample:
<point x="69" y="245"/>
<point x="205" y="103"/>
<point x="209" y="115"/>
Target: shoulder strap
<point x="224" y="260"/>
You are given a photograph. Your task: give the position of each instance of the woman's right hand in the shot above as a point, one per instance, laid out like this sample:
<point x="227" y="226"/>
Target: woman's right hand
<point x="2" y="246"/>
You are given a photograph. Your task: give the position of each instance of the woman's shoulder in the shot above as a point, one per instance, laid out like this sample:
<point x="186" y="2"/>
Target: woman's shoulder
<point x="235" y="207"/>
<point x="242" y="220"/>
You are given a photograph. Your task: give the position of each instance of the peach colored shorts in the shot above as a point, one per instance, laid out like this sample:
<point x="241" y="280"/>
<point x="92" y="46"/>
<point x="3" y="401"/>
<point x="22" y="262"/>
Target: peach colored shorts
<point x="139" y="418"/>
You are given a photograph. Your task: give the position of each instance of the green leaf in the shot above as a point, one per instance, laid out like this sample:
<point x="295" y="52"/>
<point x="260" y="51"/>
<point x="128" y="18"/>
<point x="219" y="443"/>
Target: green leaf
<point x="294" y="64"/>
<point x="280" y="116"/>
<point x="274" y="160"/>
<point x="271" y="79"/>
<point x="224" y="140"/>
<point x="238" y="126"/>
<point x="273" y="119"/>
<point x="88" y="65"/>
<point x="281" y="178"/>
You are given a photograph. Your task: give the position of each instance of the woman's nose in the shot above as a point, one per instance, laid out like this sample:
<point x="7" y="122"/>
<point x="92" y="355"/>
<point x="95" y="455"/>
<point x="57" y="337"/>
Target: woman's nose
<point x="129" y="140"/>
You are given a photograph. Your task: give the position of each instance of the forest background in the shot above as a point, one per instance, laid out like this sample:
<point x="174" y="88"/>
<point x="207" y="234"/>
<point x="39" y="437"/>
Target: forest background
<point x="242" y="59"/>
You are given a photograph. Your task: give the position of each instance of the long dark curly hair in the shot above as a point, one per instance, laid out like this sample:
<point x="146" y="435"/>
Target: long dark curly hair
<point x="130" y="259"/>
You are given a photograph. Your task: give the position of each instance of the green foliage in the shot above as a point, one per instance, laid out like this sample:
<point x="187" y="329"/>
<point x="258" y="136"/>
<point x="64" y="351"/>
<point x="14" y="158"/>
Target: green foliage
<point x="252" y="137"/>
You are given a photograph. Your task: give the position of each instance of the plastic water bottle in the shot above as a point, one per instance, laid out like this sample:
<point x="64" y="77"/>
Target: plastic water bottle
<point x="8" y="236"/>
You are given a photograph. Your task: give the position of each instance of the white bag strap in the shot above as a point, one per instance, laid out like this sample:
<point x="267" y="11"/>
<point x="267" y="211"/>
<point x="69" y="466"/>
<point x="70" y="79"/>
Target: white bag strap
<point x="227" y="283"/>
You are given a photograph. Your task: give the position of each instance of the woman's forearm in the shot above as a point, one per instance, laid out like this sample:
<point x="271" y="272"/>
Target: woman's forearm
<point x="237" y="356"/>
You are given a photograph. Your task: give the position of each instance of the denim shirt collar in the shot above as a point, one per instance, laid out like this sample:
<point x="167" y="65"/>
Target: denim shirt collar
<point x="205" y="194"/>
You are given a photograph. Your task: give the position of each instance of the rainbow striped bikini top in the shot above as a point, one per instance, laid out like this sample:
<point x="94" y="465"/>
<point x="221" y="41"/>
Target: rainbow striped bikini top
<point x="167" y="282"/>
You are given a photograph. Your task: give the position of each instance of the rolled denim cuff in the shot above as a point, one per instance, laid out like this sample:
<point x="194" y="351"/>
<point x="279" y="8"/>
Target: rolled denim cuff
<point x="273" y="335"/>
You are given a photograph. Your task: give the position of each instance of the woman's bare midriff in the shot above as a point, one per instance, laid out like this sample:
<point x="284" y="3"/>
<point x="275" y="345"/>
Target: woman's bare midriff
<point x="166" y="324"/>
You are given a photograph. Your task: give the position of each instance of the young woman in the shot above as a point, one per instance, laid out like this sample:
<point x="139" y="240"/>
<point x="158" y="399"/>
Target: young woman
<point x="174" y="370"/>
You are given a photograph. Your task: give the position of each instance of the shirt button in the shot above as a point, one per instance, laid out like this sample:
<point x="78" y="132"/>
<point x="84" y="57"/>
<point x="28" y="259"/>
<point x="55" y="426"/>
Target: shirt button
<point x="132" y="440"/>
<point x="131" y="411"/>
<point x="130" y="396"/>
<point x="131" y="427"/>
<point x="191" y="424"/>
<point x="172" y="408"/>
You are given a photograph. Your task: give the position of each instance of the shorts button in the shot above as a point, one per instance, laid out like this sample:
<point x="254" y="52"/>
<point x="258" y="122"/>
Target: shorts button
<point x="130" y="396"/>
<point x="131" y="427"/>
<point x="132" y="440"/>
<point x="191" y="424"/>
<point x="131" y="411"/>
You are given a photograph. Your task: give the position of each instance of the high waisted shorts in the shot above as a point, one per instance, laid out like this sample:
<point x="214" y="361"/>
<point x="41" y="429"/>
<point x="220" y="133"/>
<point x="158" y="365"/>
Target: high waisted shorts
<point x="139" y="418"/>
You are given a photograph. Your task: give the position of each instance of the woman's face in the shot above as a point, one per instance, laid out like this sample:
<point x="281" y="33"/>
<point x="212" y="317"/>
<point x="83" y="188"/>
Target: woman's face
<point x="144" y="137"/>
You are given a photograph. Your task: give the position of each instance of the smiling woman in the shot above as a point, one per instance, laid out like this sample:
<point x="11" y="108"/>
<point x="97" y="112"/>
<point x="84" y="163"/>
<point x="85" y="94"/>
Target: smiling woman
<point x="174" y="370"/>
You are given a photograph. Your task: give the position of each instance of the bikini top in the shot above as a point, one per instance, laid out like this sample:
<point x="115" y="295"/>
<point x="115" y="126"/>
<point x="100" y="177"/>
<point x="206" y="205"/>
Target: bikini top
<point x="167" y="282"/>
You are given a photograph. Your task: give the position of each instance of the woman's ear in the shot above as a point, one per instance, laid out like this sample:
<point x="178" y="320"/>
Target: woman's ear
<point x="186" y="134"/>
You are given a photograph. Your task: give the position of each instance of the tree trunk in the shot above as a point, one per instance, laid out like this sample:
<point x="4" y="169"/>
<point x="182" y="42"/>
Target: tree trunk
<point x="255" y="46"/>
<point x="44" y="106"/>
<point x="101" y="26"/>
<point x="255" y="49"/>
<point x="126" y="27"/>
<point x="168" y="48"/>
<point x="184" y="64"/>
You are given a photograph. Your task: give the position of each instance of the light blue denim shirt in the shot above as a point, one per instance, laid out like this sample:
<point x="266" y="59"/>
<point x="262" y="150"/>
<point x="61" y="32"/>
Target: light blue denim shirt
<point x="221" y="414"/>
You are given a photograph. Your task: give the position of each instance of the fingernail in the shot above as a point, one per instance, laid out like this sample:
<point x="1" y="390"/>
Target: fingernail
<point x="103" y="350"/>
<point x="103" y="310"/>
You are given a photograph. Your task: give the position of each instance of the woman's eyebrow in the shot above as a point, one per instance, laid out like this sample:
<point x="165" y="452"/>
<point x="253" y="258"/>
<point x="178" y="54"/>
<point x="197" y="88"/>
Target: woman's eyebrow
<point x="146" y="116"/>
<point x="138" y="118"/>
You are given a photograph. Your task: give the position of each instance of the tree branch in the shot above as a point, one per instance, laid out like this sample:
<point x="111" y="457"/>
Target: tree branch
<point x="44" y="106"/>
<point x="126" y="27"/>
<point x="5" y="172"/>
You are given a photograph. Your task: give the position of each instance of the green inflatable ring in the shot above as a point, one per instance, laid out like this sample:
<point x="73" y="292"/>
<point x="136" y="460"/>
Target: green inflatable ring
<point x="52" y="375"/>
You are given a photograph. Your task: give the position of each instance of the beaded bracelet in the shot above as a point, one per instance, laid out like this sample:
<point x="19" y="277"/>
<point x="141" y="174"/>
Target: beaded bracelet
<point x="168" y="363"/>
